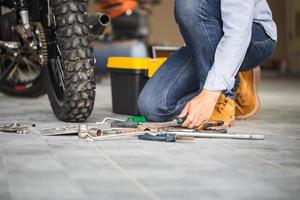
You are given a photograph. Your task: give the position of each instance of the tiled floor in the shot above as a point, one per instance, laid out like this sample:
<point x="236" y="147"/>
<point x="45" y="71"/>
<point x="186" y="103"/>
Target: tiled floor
<point x="38" y="167"/>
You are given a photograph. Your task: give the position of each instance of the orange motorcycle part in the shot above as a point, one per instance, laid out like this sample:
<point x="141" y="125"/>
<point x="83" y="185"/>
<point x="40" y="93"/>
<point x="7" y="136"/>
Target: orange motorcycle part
<point x="116" y="8"/>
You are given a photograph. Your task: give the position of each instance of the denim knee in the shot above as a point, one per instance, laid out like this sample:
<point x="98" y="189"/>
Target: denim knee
<point x="147" y="107"/>
<point x="143" y="105"/>
<point x="151" y="109"/>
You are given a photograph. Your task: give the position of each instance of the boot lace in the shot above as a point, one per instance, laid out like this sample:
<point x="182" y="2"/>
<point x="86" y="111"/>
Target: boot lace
<point x="241" y="100"/>
<point x="220" y="106"/>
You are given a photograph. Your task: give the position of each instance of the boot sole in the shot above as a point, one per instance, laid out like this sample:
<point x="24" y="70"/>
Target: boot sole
<point x="256" y="83"/>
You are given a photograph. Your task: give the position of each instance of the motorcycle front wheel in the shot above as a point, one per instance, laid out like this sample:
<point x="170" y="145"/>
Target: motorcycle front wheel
<point x="70" y="75"/>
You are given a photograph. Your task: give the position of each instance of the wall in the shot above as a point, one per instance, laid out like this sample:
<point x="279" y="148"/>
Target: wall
<point x="164" y="29"/>
<point x="279" y="14"/>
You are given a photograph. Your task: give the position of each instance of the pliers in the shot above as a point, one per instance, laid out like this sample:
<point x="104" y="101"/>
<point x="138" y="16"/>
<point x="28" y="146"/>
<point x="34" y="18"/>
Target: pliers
<point x="213" y="126"/>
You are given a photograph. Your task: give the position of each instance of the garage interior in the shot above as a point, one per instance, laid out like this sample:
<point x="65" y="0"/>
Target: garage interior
<point x="34" y="166"/>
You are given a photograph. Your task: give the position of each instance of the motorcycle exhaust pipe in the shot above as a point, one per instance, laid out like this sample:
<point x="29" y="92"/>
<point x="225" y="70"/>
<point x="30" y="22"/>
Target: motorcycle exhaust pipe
<point x="98" y="22"/>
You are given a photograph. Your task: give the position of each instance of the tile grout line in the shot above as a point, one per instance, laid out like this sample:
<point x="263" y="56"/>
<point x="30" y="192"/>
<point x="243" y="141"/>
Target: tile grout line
<point x="6" y="174"/>
<point x="259" y="158"/>
<point x="152" y="195"/>
<point x="63" y="167"/>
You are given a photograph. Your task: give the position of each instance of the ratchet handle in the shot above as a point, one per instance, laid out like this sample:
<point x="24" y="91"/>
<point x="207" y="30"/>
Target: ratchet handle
<point x="168" y="137"/>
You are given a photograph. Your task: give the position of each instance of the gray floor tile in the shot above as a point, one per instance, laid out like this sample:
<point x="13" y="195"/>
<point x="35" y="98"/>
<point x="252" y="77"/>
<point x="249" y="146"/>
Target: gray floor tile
<point x="38" y="167"/>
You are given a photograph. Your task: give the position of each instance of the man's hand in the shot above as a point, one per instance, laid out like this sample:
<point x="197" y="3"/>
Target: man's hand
<point x="200" y="108"/>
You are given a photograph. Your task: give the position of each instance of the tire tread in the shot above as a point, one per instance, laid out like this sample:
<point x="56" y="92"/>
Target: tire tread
<point x="77" y="61"/>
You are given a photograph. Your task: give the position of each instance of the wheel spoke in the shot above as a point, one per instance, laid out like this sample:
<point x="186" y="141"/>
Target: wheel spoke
<point x="30" y="63"/>
<point x="7" y="70"/>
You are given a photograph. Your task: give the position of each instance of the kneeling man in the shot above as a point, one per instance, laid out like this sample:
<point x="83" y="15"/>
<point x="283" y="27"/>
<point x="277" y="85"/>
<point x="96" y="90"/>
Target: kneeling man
<point x="214" y="77"/>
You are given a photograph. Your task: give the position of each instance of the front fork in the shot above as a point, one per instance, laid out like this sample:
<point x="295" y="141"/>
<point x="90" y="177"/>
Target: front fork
<point x="23" y="9"/>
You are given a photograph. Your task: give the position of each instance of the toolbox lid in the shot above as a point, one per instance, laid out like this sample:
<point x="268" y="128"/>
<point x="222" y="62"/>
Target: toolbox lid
<point x="151" y="65"/>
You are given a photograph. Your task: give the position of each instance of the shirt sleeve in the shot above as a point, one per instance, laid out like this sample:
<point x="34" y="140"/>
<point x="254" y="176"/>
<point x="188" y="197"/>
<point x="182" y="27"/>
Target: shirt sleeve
<point x="237" y="17"/>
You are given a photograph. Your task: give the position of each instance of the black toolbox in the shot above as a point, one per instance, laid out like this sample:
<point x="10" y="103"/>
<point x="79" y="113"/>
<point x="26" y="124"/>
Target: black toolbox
<point x="128" y="77"/>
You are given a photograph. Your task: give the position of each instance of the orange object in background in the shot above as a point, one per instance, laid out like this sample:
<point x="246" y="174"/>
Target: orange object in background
<point x="116" y="8"/>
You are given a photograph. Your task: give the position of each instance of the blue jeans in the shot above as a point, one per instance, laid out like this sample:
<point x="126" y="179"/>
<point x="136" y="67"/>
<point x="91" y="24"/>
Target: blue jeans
<point x="183" y="75"/>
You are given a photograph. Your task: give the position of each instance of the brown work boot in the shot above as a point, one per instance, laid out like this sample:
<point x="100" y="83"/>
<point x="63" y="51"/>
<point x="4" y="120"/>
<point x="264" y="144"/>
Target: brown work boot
<point x="247" y="101"/>
<point x="224" y="111"/>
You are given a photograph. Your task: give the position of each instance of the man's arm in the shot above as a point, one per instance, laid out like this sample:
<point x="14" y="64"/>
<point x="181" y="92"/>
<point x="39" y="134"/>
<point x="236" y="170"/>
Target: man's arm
<point x="237" y="19"/>
<point x="237" y="16"/>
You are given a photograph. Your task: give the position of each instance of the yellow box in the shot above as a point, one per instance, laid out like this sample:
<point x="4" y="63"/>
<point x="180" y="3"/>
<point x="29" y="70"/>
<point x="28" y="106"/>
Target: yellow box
<point x="151" y="65"/>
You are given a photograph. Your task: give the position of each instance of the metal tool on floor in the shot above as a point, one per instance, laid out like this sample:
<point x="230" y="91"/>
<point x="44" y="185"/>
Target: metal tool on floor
<point x="208" y="127"/>
<point x="169" y="131"/>
<point x="212" y="129"/>
<point x="66" y="130"/>
<point x="103" y="130"/>
<point x="164" y="137"/>
<point x="111" y="128"/>
<point x="148" y="125"/>
<point x="124" y="124"/>
<point x="115" y="136"/>
<point x="218" y="135"/>
<point x="14" y="128"/>
<point x="167" y="137"/>
<point x="127" y="128"/>
<point x="82" y="130"/>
